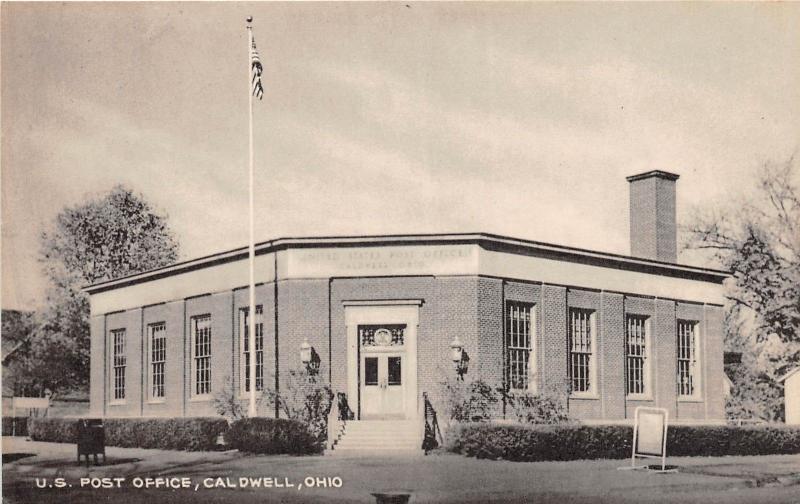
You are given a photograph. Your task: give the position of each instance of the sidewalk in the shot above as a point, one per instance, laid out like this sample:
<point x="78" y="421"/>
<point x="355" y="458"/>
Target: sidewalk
<point x="435" y="478"/>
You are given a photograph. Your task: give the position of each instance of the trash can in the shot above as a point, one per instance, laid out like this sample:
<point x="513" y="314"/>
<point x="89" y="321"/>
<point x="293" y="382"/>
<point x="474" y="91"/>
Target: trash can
<point x="91" y="439"/>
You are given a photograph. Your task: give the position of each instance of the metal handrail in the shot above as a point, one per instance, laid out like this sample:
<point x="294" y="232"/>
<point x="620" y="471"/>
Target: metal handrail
<point x="345" y="413"/>
<point x="338" y="416"/>
<point x="429" y="440"/>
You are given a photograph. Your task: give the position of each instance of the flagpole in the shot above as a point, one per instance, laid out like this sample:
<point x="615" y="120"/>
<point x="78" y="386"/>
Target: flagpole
<point x="252" y="245"/>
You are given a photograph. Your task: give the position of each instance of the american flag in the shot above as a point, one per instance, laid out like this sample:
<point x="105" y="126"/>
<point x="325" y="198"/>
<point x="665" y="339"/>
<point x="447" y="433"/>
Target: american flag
<point x="256" y="69"/>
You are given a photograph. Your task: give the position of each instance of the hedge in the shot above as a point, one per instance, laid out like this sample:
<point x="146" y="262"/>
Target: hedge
<point x="21" y="426"/>
<point x="575" y="442"/>
<point x="194" y="434"/>
<point x="272" y="436"/>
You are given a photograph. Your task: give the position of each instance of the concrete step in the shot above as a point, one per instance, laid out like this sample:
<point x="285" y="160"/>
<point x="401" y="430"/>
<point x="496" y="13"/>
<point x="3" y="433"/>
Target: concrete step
<point x="379" y="427"/>
<point x="379" y="438"/>
<point x="367" y="452"/>
<point x="371" y="437"/>
<point x="376" y="446"/>
<point x="356" y="428"/>
<point x="379" y="442"/>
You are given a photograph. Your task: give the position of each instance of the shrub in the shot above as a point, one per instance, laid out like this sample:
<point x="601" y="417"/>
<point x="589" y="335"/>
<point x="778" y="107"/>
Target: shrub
<point x="54" y="430"/>
<point x="548" y="407"/>
<point x="574" y="442"/>
<point x="272" y="436"/>
<point x="227" y="402"/>
<point x="471" y="401"/>
<point x="305" y="399"/>
<point x="15" y="425"/>
<point x="194" y="434"/>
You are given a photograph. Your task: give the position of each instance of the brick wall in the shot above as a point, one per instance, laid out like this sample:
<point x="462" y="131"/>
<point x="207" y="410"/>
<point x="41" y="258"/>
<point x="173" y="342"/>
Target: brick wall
<point x="431" y="341"/>
<point x="241" y="298"/>
<point x="612" y="348"/>
<point x="530" y="293"/>
<point x="490" y="332"/>
<point x="554" y="328"/>
<point x="130" y="321"/>
<point x="653" y="231"/>
<point x="302" y="314"/>
<point x="664" y="331"/>
<point x="635" y="305"/>
<point x="456" y="301"/>
<point x="666" y="228"/>
<point x="713" y="335"/>
<point x="471" y="308"/>
<point x="583" y="407"/>
<point x="171" y="314"/>
<point x="219" y="306"/>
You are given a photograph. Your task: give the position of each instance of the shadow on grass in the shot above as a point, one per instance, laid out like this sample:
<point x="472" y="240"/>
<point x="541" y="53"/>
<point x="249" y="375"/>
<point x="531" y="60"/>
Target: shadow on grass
<point x="13" y="457"/>
<point x="72" y="462"/>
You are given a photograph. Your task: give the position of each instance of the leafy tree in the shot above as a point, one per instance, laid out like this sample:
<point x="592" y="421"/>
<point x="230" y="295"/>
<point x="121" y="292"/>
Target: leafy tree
<point x="305" y="397"/>
<point x="758" y="240"/>
<point x="228" y="403"/>
<point x="115" y="235"/>
<point x="17" y="327"/>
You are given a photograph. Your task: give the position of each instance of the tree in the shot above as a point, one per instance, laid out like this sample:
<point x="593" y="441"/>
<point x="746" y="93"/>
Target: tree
<point x="758" y="240"/>
<point x="304" y="397"/>
<point x="112" y="236"/>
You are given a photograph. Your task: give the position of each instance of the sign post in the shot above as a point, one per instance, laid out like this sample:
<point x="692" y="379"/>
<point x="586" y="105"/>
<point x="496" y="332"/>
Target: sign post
<point x="650" y="437"/>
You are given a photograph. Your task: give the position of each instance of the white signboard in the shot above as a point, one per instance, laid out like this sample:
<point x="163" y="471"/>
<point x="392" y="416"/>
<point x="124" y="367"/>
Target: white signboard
<point x="650" y="436"/>
<point x="650" y="433"/>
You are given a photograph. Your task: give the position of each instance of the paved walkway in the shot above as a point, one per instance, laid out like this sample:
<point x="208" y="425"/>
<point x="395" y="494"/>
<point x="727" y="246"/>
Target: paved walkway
<point x="435" y="478"/>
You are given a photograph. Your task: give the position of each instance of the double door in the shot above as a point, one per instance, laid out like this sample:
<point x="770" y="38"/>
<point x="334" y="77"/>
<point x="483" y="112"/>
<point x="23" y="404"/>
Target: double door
<point x="382" y="385"/>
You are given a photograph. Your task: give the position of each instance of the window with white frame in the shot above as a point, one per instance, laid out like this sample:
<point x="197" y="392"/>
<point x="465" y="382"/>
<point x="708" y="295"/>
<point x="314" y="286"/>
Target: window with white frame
<point x="157" y="338"/>
<point x="637" y="348"/>
<point x="581" y="347"/>
<point x="201" y="354"/>
<point x="244" y="330"/>
<point x="519" y="345"/>
<point x="688" y="350"/>
<point x="119" y="363"/>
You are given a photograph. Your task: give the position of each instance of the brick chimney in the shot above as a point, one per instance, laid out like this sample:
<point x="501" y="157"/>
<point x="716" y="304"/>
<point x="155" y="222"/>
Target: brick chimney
<point x="652" y="207"/>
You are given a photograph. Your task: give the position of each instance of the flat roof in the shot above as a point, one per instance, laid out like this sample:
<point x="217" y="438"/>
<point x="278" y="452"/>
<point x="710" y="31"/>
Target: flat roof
<point x="486" y="240"/>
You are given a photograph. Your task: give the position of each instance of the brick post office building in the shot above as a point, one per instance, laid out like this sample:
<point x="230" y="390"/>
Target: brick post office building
<point x="383" y="312"/>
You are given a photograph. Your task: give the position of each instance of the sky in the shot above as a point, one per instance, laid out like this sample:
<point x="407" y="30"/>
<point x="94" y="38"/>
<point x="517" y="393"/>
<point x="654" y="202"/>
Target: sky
<point x="520" y="119"/>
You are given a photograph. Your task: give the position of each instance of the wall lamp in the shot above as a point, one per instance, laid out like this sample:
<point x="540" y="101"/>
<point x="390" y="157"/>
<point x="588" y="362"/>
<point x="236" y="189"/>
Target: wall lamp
<point x="309" y="357"/>
<point x="459" y="357"/>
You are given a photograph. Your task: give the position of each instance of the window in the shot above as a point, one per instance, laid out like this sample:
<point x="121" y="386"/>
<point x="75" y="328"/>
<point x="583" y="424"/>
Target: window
<point x="157" y="336"/>
<point x="244" y="330"/>
<point x="637" y="367"/>
<point x="688" y="376"/>
<point x="395" y="371"/>
<point x="371" y="371"/>
<point x="201" y="352"/>
<point x="518" y="345"/>
<point x="581" y="345"/>
<point x="118" y="342"/>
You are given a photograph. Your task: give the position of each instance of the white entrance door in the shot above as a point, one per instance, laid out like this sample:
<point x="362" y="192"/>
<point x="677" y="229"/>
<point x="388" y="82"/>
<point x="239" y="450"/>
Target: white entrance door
<point x="383" y="371"/>
<point x="382" y="390"/>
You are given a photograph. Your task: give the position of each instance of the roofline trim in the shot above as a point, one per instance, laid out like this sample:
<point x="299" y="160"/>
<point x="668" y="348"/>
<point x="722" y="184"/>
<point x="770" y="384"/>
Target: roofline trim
<point x="482" y="239"/>
<point x="653" y="173"/>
